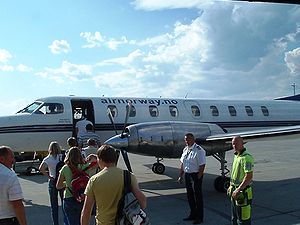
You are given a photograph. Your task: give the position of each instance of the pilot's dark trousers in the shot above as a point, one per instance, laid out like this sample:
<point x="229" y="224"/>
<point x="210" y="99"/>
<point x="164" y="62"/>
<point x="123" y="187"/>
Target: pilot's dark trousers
<point x="194" y="194"/>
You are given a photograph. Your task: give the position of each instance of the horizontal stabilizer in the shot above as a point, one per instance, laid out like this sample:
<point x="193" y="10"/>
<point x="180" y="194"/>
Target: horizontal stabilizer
<point x="291" y="98"/>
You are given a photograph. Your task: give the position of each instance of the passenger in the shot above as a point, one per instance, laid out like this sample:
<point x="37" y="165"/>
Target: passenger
<point x="12" y="211"/>
<point x="240" y="190"/>
<point x="70" y="205"/>
<point x="81" y="125"/>
<point x="91" y="148"/>
<point x="86" y="152"/>
<point x="105" y="189"/>
<point x="192" y="166"/>
<point x="72" y="142"/>
<point x="48" y="168"/>
<point x="82" y="139"/>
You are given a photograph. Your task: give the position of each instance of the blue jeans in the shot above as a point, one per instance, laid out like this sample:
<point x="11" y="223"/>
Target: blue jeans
<point x="73" y="210"/>
<point x="53" y="193"/>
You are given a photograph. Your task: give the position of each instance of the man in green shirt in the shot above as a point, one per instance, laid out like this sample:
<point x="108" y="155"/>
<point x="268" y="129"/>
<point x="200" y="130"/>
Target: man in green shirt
<point x="240" y="190"/>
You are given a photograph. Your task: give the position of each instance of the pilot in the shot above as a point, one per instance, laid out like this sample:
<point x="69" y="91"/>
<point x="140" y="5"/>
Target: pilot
<point x="192" y="166"/>
<point x="12" y="211"/>
<point x="240" y="190"/>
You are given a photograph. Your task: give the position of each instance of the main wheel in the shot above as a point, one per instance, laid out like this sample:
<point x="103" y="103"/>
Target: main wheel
<point x="158" y="168"/>
<point x="222" y="184"/>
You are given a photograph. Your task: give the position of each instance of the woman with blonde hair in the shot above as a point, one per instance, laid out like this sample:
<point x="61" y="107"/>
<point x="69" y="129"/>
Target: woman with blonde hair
<point x="48" y="168"/>
<point x="73" y="161"/>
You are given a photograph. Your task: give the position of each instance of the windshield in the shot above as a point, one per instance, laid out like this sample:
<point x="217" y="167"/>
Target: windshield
<point x="30" y="108"/>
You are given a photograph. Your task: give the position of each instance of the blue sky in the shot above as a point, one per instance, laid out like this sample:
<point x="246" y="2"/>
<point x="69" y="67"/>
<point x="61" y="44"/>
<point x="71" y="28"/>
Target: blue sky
<point x="147" y="48"/>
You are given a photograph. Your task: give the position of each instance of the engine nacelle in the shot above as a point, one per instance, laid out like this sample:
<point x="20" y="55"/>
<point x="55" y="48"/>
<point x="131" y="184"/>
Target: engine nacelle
<point x="166" y="139"/>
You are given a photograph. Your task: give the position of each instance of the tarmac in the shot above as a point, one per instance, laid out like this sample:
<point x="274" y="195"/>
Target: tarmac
<point x="276" y="189"/>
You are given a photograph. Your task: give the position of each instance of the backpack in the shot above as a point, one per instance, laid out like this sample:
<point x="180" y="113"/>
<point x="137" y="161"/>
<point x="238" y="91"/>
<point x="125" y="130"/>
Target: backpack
<point x="59" y="165"/>
<point x="79" y="182"/>
<point x="129" y="210"/>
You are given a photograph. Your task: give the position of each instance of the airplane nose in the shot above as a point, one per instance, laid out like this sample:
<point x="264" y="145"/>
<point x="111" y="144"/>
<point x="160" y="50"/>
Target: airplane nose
<point x="117" y="142"/>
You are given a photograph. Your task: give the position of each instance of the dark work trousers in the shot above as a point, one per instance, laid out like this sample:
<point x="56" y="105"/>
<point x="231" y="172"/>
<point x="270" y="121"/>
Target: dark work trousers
<point x="194" y="194"/>
<point x="9" y="221"/>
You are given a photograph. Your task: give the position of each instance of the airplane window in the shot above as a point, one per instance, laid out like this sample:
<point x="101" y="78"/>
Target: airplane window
<point x="132" y="112"/>
<point x="249" y="110"/>
<point x="232" y="110"/>
<point x="113" y="109"/>
<point x="50" y="108"/>
<point x="30" y="108"/>
<point x="195" y="110"/>
<point x="265" y="110"/>
<point x="173" y="111"/>
<point x="214" y="110"/>
<point x="153" y="111"/>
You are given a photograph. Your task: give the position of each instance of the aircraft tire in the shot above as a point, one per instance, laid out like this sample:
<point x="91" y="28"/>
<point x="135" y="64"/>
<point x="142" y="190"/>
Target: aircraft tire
<point x="222" y="184"/>
<point x="158" y="168"/>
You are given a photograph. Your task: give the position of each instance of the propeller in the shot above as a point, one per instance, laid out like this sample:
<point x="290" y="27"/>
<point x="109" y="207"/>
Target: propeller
<point x="122" y="150"/>
<point x="111" y="118"/>
<point x="128" y="110"/>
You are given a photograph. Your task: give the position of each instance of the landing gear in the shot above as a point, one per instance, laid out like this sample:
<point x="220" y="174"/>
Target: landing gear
<point x="222" y="182"/>
<point x="158" y="167"/>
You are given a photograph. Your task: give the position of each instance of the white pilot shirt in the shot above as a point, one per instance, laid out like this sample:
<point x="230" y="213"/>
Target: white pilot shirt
<point x="192" y="158"/>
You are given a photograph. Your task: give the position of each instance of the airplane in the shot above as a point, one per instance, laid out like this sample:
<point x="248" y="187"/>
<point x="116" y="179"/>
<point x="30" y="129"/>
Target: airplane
<point x="156" y="126"/>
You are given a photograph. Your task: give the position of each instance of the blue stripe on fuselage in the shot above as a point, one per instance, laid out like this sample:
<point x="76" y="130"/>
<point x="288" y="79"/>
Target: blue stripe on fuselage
<point x="110" y="127"/>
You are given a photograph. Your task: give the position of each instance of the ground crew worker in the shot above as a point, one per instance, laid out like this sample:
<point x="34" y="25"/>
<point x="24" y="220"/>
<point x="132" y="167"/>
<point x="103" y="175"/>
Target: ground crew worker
<point x="240" y="190"/>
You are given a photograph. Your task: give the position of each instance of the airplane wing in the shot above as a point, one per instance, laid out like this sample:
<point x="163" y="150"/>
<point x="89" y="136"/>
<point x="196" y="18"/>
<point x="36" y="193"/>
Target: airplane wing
<point x="262" y="134"/>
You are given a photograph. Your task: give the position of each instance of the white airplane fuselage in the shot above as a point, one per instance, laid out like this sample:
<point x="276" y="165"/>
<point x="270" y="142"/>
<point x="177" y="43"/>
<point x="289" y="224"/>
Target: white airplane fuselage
<point x="34" y="127"/>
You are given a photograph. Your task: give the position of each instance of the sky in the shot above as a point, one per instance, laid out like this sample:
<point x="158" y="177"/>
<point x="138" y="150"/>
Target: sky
<point x="147" y="48"/>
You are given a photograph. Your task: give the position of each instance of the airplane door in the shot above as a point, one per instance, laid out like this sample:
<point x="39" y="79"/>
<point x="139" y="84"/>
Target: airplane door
<point x="82" y="107"/>
<point x="193" y="108"/>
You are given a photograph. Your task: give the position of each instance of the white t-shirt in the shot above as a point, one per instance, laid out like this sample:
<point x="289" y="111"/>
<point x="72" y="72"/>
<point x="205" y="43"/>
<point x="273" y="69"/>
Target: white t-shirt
<point x="51" y="162"/>
<point x="192" y="157"/>
<point x="10" y="190"/>
<point x="81" y="126"/>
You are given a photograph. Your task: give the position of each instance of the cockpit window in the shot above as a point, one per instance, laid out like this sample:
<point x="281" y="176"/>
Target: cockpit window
<point x="30" y="108"/>
<point x="50" y="108"/>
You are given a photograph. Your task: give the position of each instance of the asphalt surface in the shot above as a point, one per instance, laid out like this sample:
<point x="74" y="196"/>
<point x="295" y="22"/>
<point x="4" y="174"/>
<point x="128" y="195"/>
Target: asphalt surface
<point x="276" y="189"/>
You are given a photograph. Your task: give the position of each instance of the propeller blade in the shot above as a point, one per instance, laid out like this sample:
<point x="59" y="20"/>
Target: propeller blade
<point x="126" y="159"/>
<point x="128" y="110"/>
<point x="111" y="118"/>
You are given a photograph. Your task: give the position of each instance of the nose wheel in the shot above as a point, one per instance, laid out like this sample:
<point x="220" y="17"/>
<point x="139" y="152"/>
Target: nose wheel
<point x="158" y="167"/>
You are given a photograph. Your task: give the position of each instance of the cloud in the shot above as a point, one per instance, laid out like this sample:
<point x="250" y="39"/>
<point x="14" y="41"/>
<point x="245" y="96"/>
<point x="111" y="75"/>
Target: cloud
<point x="93" y="40"/>
<point x="4" y="56"/>
<point x="59" y="47"/>
<point x="24" y="68"/>
<point x="151" y="5"/>
<point x="292" y="59"/>
<point x="97" y="40"/>
<point x="7" y="68"/>
<point x="67" y="71"/>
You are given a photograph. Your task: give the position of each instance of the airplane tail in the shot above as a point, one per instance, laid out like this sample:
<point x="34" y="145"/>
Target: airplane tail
<point x="290" y="98"/>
